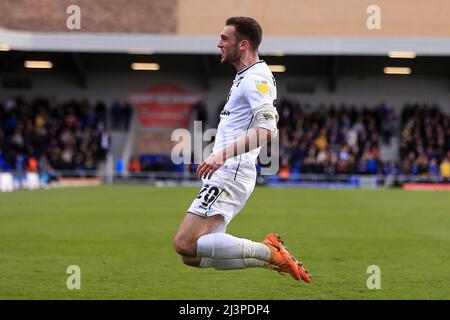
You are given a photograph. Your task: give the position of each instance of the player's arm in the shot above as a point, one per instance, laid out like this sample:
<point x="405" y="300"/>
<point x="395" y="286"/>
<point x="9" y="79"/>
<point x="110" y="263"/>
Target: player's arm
<point x="265" y="129"/>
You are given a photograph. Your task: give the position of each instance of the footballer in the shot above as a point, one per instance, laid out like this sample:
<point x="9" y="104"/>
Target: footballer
<point x="247" y="122"/>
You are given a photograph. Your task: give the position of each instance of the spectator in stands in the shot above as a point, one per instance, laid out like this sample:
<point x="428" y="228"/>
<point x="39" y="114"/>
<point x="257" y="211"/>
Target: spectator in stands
<point x="4" y="166"/>
<point x="444" y="168"/>
<point x="285" y="170"/>
<point x="117" y="115"/>
<point x="201" y="112"/>
<point x="134" y="166"/>
<point x="146" y="165"/>
<point x="100" y="114"/>
<point x="105" y="141"/>
<point x="433" y="169"/>
<point x="32" y="164"/>
<point x="119" y="167"/>
<point x="127" y="113"/>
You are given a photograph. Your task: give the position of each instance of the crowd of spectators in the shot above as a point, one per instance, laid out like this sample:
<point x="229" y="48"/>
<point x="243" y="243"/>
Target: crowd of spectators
<point x="43" y="136"/>
<point x="346" y="140"/>
<point x="333" y="139"/>
<point x="425" y="141"/>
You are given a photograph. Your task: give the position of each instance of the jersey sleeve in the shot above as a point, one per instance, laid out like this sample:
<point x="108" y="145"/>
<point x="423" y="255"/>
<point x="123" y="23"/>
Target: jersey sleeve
<point x="259" y="91"/>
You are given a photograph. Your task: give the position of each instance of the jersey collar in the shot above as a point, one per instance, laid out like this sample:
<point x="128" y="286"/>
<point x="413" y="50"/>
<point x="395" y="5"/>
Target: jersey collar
<point x="248" y="67"/>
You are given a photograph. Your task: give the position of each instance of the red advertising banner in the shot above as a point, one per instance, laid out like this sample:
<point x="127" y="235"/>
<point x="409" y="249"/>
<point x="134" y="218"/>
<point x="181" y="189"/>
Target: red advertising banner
<point x="164" y="106"/>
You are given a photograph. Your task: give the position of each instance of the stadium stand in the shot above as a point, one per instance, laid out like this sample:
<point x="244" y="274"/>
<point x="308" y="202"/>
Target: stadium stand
<point x="341" y="115"/>
<point x="72" y="138"/>
<point x="45" y="136"/>
<point x="334" y="140"/>
<point x="425" y="141"/>
<point x="345" y="140"/>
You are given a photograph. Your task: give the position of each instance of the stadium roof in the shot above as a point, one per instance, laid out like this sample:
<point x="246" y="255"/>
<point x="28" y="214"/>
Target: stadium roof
<point x="123" y="43"/>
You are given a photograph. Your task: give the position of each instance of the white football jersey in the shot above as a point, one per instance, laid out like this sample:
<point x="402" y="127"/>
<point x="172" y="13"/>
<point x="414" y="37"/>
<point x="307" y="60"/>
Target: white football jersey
<point x="252" y="87"/>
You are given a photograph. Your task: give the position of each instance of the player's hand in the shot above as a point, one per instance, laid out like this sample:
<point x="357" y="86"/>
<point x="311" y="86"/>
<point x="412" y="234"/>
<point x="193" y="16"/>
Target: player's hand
<point x="209" y="166"/>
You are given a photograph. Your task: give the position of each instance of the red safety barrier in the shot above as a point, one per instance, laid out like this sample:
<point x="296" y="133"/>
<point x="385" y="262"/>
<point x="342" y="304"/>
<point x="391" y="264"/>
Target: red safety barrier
<point x="426" y="186"/>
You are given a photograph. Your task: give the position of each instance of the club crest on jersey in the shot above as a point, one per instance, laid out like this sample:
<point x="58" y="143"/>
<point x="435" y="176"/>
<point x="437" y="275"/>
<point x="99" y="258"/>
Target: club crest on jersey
<point x="262" y="86"/>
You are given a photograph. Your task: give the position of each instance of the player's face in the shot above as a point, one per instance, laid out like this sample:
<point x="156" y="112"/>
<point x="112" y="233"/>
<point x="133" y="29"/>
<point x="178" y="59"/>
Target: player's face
<point x="229" y="46"/>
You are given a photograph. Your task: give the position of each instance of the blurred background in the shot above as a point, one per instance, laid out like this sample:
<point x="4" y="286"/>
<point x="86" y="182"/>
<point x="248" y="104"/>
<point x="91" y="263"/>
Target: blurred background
<point x="91" y="91"/>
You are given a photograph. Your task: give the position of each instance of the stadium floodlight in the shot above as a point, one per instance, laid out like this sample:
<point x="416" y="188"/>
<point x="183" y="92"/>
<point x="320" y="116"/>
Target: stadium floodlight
<point x="278" y="53"/>
<point x="145" y="66"/>
<point x="4" y="47"/>
<point x="277" y="68"/>
<point x="397" y="70"/>
<point x="402" y="54"/>
<point x="140" y="51"/>
<point x="38" y="64"/>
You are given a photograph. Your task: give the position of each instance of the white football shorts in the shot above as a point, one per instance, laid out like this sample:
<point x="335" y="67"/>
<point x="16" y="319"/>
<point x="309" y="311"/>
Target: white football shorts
<point x="225" y="193"/>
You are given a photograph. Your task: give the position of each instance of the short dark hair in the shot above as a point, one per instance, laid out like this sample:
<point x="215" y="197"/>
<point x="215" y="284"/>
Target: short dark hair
<point x="246" y="28"/>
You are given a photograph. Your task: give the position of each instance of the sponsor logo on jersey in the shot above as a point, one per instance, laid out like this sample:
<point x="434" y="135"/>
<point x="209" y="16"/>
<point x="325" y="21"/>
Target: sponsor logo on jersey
<point x="225" y="113"/>
<point x="262" y="86"/>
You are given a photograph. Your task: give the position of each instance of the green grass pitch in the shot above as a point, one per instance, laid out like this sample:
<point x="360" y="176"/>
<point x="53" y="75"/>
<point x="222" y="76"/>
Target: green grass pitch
<point x="121" y="238"/>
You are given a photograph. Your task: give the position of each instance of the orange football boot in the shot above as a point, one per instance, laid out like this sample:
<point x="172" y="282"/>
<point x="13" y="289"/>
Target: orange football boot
<point x="282" y="261"/>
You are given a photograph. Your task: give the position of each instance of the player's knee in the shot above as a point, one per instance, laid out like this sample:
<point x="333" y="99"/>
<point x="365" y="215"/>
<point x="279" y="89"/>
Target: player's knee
<point x="184" y="248"/>
<point x="191" y="261"/>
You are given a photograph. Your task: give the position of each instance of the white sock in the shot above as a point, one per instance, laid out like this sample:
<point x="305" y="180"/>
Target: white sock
<point x="225" y="246"/>
<point x="231" y="264"/>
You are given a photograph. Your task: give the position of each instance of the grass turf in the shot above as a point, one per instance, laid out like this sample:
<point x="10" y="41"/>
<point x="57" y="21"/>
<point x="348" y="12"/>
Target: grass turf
<point x="121" y="238"/>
